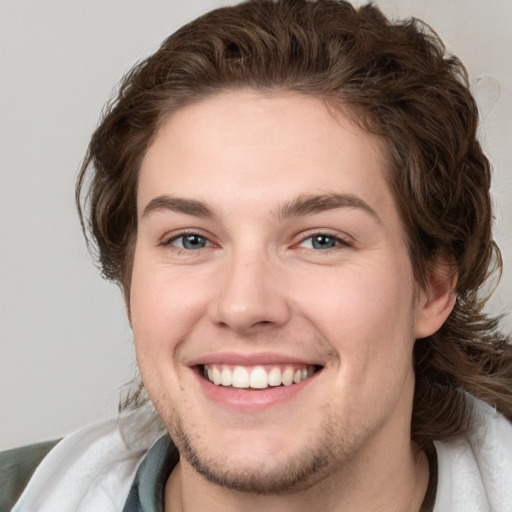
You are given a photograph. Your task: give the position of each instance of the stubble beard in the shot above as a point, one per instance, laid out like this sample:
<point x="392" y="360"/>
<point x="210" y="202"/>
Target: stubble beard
<point x="301" y="471"/>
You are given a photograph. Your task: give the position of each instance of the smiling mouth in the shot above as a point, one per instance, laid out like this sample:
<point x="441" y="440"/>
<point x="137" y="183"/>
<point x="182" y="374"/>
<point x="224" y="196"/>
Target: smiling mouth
<point x="257" y="377"/>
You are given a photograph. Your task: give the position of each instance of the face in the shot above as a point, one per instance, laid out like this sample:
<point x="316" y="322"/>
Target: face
<point x="272" y="300"/>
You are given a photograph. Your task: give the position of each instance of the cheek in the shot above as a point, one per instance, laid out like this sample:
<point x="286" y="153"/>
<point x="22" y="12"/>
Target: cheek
<point x="164" y="306"/>
<point x="154" y="312"/>
<point x="354" y="300"/>
<point x="365" y="314"/>
<point x="367" y="318"/>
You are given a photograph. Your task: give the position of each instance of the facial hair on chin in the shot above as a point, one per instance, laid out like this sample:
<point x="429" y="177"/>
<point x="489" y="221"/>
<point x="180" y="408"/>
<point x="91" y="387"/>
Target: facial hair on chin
<point x="300" y="472"/>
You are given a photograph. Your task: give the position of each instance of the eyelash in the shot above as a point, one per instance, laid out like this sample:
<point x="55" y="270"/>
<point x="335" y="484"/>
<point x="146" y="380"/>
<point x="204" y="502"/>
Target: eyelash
<point x="338" y="241"/>
<point x="183" y="235"/>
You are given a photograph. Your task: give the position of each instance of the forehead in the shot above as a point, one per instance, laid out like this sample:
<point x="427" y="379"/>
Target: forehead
<point x="244" y="146"/>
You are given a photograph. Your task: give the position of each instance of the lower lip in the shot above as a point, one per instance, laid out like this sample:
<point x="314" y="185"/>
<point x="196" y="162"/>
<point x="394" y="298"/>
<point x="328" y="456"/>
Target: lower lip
<point x="250" y="400"/>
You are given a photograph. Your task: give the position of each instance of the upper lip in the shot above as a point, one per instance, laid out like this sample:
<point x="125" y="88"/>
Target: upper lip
<point x="254" y="359"/>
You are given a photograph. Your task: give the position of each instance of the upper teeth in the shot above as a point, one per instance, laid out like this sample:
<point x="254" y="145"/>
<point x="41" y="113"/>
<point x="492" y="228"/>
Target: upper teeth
<point x="256" y="377"/>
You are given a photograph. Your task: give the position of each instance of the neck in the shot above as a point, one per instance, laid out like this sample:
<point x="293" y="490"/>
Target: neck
<point x="371" y="482"/>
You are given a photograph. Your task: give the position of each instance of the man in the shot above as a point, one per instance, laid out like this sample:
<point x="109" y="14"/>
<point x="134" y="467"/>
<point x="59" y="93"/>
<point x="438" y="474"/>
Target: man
<point x="293" y="200"/>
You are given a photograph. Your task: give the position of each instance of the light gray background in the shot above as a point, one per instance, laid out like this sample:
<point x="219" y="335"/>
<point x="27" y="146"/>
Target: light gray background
<point x="65" y="345"/>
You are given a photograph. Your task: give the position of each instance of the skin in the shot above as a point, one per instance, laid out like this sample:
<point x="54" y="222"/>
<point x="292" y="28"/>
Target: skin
<point x="257" y="286"/>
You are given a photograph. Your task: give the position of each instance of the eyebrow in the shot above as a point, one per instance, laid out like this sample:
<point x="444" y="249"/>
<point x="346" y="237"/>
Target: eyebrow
<point x="311" y="204"/>
<point x="178" y="205"/>
<point x="300" y="206"/>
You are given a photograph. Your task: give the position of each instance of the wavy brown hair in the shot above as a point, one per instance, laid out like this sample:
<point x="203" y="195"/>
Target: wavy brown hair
<point x="397" y="80"/>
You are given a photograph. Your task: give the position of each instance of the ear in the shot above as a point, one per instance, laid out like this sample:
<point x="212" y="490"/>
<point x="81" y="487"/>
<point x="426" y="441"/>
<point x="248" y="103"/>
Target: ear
<point x="436" y="301"/>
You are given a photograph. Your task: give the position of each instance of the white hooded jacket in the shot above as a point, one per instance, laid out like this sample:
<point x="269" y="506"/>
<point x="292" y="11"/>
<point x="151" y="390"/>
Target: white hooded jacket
<point x="93" y="469"/>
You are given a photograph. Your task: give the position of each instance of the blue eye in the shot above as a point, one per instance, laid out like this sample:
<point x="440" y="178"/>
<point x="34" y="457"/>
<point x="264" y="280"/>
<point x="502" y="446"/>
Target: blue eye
<point x="321" y="242"/>
<point x="190" y="241"/>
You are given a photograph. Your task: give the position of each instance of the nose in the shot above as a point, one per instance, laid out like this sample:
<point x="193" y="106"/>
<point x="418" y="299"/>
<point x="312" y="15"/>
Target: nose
<point x="250" y="294"/>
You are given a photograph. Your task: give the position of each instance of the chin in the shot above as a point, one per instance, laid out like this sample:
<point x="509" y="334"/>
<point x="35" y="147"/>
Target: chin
<point x="295" y="473"/>
<point x="257" y="467"/>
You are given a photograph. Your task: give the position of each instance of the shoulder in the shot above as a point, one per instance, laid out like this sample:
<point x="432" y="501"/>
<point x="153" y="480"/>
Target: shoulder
<point x="475" y="470"/>
<point x="92" y="468"/>
<point x="16" y="468"/>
